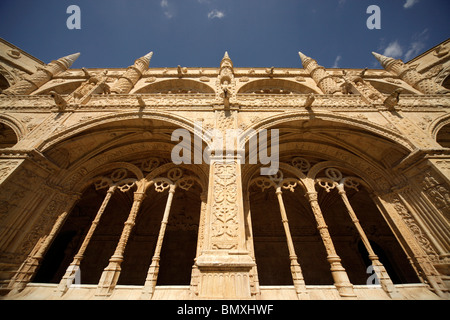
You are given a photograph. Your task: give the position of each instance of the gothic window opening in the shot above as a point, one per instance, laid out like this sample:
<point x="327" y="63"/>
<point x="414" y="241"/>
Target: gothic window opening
<point x="333" y="223"/>
<point x="4" y="84"/>
<point x="8" y="137"/>
<point x="443" y="136"/>
<point x="446" y="82"/>
<point x="162" y="245"/>
<point x="271" y="251"/>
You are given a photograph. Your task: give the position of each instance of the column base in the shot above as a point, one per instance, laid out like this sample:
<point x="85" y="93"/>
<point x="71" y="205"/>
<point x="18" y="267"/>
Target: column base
<point x="109" y="279"/>
<point x="224" y="274"/>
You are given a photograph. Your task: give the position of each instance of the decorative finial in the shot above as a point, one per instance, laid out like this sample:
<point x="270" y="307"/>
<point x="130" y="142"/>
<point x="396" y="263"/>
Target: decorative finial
<point x="67" y="61"/>
<point x="384" y="61"/>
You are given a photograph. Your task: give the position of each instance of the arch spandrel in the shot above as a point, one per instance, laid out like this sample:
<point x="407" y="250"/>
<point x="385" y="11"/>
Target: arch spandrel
<point x="72" y="131"/>
<point x="366" y="126"/>
<point x="175" y="86"/>
<point x="280" y="85"/>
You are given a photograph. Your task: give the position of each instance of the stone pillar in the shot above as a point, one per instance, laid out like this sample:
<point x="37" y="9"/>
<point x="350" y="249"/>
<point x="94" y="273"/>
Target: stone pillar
<point x="74" y="267"/>
<point x="338" y="272"/>
<point x="392" y="209"/>
<point x="380" y="271"/>
<point x="410" y="75"/>
<point x="41" y="76"/>
<point x="225" y="263"/>
<point x="28" y="269"/>
<point x="256" y="292"/>
<point x="297" y="275"/>
<point x="111" y="274"/>
<point x="152" y="275"/>
<point x="200" y="241"/>
<point x="320" y="75"/>
<point x="133" y="73"/>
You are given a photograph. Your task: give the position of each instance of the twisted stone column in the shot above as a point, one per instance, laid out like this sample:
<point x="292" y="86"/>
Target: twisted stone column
<point x="152" y="275"/>
<point x="380" y="271"/>
<point x="74" y="267"/>
<point x="338" y="272"/>
<point x="111" y="274"/>
<point x="297" y="275"/>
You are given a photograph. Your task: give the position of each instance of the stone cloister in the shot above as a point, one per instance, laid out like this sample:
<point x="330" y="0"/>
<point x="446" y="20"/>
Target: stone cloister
<point x="92" y="205"/>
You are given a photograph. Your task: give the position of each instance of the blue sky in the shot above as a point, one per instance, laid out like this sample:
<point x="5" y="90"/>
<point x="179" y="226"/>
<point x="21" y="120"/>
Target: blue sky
<point x="196" y="33"/>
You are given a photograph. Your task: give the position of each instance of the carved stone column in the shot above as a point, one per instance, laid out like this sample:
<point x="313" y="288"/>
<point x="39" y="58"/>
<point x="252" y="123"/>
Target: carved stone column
<point x="225" y="263"/>
<point x="28" y="269"/>
<point x="338" y="272"/>
<point x="200" y="242"/>
<point x="152" y="275"/>
<point x="296" y="271"/>
<point x="254" y="285"/>
<point x="390" y="206"/>
<point x="111" y="274"/>
<point x="74" y="267"/>
<point x="378" y="267"/>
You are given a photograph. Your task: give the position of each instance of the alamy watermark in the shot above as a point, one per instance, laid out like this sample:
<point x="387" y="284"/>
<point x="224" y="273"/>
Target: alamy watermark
<point x="374" y="20"/>
<point x="226" y="146"/>
<point x="74" y="20"/>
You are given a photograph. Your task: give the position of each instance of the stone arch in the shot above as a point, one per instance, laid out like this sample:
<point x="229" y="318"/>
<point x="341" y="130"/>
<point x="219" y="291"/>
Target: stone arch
<point x="365" y="126"/>
<point x="11" y="131"/>
<point x="93" y="264"/>
<point x="4" y="83"/>
<point x="279" y="86"/>
<point x="175" y="86"/>
<point x="341" y="228"/>
<point x="439" y="130"/>
<point x="111" y="118"/>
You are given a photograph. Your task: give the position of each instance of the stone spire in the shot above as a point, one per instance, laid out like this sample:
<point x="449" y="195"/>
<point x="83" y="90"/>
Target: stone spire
<point x="320" y="75"/>
<point x="42" y="75"/>
<point x="409" y="75"/>
<point x="127" y="81"/>
<point x="226" y="61"/>
<point x="226" y="83"/>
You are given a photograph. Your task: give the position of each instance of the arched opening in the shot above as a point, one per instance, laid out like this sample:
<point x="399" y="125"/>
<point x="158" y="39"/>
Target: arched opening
<point x="269" y="242"/>
<point x="4" y="84"/>
<point x="347" y="241"/>
<point x="140" y="148"/>
<point x="443" y="136"/>
<point x="8" y="137"/>
<point x="446" y="82"/>
<point x="178" y="249"/>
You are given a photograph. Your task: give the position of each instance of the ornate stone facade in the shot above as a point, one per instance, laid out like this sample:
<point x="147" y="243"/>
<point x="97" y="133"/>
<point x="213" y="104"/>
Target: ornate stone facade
<point x="92" y="205"/>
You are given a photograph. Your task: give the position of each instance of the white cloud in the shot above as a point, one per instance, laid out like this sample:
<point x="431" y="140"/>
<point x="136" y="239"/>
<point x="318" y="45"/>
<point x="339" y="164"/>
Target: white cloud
<point x="417" y="46"/>
<point x="393" y="50"/>
<point x="336" y="62"/>
<point x="216" y="14"/>
<point x="409" y="3"/>
<point x="168" y="11"/>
